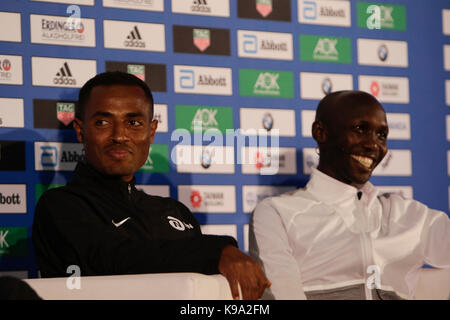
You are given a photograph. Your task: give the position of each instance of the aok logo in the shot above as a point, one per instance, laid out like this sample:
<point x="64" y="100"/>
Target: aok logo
<point x="134" y="39"/>
<point x="267" y="83"/>
<point x="326" y="49"/>
<point x="204" y="119"/>
<point x="64" y="76"/>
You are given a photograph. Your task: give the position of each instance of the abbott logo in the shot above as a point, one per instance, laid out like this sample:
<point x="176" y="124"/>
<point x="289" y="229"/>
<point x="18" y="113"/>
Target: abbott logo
<point x="134" y="39"/>
<point x="250" y="43"/>
<point x="309" y="10"/>
<point x="64" y="76"/>
<point x="13" y="198"/>
<point x="49" y="156"/>
<point x="187" y="79"/>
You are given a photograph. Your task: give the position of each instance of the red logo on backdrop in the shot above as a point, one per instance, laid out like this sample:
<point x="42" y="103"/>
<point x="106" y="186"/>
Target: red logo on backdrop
<point x="196" y="199"/>
<point x="264" y="7"/>
<point x="6" y="65"/>
<point x="374" y="88"/>
<point x="259" y="160"/>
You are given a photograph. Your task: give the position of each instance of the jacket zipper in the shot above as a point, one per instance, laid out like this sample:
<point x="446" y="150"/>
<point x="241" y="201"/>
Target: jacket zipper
<point x="366" y="249"/>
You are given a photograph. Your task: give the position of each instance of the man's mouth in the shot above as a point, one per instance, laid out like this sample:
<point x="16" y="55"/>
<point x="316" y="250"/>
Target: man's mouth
<point x="118" y="153"/>
<point x="364" y="161"/>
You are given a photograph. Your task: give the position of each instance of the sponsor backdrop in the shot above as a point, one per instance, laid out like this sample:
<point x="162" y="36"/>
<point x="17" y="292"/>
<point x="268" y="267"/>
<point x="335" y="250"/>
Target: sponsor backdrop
<point x="231" y="79"/>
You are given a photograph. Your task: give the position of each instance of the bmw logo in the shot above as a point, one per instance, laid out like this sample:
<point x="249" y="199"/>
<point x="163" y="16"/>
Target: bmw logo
<point x="206" y="159"/>
<point x="383" y="52"/>
<point x="327" y="86"/>
<point x="268" y="121"/>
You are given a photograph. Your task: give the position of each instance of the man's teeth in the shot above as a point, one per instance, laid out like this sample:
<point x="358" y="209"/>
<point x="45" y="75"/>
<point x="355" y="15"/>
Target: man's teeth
<point x="366" y="162"/>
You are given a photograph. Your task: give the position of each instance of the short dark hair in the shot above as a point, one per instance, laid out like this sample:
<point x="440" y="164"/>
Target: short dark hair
<point x="108" y="79"/>
<point x="350" y="98"/>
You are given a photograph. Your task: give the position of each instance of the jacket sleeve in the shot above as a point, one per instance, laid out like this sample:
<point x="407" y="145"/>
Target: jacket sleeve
<point x="69" y="234"/>
<point x="436" y="238"/>
<point x="269" y="244"/>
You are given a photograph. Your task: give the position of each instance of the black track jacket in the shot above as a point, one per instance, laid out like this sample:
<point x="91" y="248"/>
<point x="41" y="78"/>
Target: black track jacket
<point x="106" y="226"/>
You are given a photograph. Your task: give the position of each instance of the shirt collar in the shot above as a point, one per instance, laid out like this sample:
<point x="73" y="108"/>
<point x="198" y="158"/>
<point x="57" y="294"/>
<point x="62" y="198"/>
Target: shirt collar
<point x="357" y="214"/>
<point x="331" y="191"/>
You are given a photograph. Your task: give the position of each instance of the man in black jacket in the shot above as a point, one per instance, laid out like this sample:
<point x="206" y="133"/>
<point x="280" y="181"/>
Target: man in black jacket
<point x="100" y="222"/>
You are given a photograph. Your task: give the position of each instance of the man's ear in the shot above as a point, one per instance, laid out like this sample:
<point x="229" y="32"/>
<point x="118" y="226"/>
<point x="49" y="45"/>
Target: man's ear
<point x="153" y="127"/>
<point x="319" y="132"/>
<point x="78" y="127"/>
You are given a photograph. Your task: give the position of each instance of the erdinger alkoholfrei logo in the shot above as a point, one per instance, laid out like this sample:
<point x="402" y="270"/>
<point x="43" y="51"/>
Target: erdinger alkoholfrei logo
<point x="137" y="70"/>
<point x="60" y="26"/>
<point x="202" y="38"/>
<point x="267" y="121"/>
<point x="374" y="88"/>
<point x="264" y="7"/>
<point x="134" y="39"/>
<point x="196" y="199"/>
<point x="383" y="52"/>
<point x="64" y="76"/>
<point x="327" y="86"/>
<point x="65" y="112"/>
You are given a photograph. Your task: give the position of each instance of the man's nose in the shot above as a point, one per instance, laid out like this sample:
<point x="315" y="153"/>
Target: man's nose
<point x="119" y="133"/>
<point x="371" y="141"/>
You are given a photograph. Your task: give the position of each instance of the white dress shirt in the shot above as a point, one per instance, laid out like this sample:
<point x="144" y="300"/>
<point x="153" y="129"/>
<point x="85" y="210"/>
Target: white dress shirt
<point x="323" y="238"/>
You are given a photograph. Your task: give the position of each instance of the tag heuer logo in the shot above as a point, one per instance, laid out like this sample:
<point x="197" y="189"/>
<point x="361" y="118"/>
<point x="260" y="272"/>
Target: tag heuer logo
<point x="65" y="112"/>
<point x="264" y="7"/>
<point x="64" y="76"/>
<point x="202" y="39"/>
<point x="137" y="70"/>
<point x="267" y="84"/>
<point x="134" y="39"/>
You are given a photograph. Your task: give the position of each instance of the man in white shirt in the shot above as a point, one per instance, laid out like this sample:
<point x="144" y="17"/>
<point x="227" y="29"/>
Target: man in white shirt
<point x="338" y="238"/>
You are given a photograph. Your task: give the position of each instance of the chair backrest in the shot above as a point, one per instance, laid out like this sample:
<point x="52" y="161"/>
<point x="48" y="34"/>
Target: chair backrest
<point x="163" y="286"/>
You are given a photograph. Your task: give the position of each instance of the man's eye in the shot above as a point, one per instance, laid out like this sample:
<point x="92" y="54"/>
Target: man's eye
<point x="100" y="122"/>
<point x="383" y="135"/>
<point x="135" y="123"/>
<point x="358" y="129"/>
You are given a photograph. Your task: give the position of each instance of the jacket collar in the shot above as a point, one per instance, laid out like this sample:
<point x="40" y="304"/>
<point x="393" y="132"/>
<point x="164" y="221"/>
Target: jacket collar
<point x="85" y="174"/>
<point x="357" y="213"/>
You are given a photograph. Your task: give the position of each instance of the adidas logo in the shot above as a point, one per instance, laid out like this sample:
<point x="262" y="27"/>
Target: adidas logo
<point x="134" y="39"/>
<point x="64" y="76"/>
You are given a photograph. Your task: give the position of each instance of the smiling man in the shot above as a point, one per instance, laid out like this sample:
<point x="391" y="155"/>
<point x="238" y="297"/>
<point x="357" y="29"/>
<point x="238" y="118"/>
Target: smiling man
<point x="338" y="238"/>
<point x="101" y="223"/>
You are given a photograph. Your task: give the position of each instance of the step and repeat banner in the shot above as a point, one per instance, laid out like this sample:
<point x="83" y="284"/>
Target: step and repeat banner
<point x="236" y="84"/>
